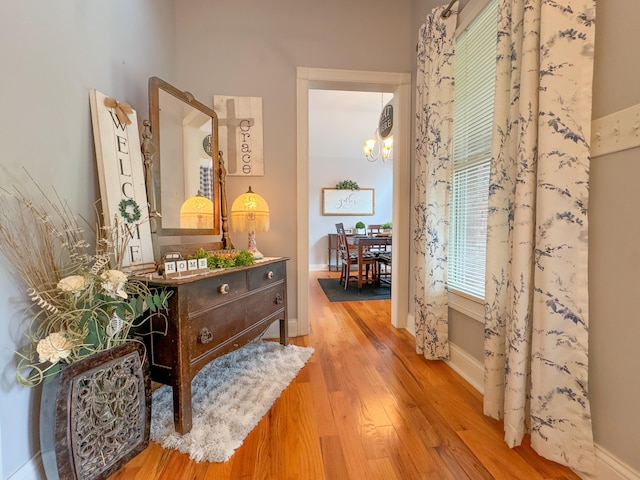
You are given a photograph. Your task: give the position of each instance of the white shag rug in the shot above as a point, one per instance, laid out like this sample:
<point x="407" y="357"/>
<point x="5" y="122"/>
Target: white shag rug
<point x="229" y="397"/>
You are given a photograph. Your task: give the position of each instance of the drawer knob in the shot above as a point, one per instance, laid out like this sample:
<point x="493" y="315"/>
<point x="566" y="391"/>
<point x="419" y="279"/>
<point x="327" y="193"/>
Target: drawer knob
<point x="279" y="299"/>
<point x="205" y="336"/>
<point x="270" y="274"/>
<point x="224" y="288"/>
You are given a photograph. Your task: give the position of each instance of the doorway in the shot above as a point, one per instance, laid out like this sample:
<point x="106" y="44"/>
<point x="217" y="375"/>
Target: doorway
<point x="349" y="80"/>
<point x="339" y="123"/>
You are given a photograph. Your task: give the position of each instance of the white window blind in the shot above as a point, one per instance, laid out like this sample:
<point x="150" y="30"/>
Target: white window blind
<point x="474" y="72"/>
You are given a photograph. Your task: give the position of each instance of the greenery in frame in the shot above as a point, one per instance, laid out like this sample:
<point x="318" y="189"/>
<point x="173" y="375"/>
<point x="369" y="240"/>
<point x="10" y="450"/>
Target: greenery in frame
<point x="386" y="226"/>
<point x="347" y="185"/>
<point x="360" y="225"/>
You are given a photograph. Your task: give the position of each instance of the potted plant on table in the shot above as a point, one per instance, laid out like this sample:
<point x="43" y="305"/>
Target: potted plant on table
<point x="361" y="228"/>
<point x="83" y="311"/>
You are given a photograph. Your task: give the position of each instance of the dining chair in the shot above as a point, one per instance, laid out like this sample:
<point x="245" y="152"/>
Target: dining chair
<point x="374" y="229"/>
<point x="384" y="267"/>
<point x="350" y="259"/>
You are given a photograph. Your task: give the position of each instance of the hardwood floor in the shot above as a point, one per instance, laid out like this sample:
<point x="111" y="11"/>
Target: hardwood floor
<point x="365" y="406"/>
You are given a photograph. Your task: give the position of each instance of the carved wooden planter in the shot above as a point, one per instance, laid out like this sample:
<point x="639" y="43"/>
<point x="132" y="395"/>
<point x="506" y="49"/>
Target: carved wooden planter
<point x="95" y="415"/>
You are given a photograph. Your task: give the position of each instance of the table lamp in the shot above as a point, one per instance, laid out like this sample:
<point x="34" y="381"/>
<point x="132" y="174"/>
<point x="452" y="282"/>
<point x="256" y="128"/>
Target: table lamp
<point x="250" y="213"/>
<point x="196" y="212"/>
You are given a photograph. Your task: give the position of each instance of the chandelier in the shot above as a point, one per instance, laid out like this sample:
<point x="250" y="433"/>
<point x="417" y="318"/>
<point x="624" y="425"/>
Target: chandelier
<point x="377" y="147"/>
<point x="381" y="145"/>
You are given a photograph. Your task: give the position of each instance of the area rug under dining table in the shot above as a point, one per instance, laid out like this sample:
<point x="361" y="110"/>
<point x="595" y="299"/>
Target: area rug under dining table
<point x="335" y="291"/>
<point x="229" y="397"/>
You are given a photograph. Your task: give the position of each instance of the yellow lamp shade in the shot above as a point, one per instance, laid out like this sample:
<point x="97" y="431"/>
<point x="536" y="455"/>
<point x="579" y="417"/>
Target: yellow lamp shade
<point x="196" y="212"/>
<point x="250" y="212"/>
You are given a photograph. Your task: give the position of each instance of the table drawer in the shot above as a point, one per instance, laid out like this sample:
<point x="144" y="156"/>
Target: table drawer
<point x="267" y="274"/>
<point x="215" y="326"/>
<point x="213" y="291"/>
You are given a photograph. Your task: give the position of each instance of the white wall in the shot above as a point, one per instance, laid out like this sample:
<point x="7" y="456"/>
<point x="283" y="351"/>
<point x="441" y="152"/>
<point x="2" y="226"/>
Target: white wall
<point x="51" y="54"/>
<point x="339" y="123"/>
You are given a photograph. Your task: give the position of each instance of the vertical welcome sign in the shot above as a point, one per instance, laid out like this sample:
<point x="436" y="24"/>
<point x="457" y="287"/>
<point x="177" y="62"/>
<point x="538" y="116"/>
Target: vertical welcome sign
<point x="121" y="176"/>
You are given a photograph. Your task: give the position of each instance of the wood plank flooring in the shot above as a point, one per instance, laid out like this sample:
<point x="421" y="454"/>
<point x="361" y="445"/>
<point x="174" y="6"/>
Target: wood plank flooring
<point x="365" y="406"/>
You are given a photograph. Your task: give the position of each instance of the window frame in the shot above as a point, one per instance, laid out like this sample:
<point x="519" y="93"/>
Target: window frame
<point x="460" y="301"/>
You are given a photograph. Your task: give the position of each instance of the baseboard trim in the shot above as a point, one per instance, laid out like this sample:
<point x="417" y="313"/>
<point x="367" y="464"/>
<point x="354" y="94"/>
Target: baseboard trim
<point x="466" y="366"/>
<point x="411" y="325"/>
<point x="608" y="466"/>
<point x="32" y="470"/>
<point x="274" y="329"/>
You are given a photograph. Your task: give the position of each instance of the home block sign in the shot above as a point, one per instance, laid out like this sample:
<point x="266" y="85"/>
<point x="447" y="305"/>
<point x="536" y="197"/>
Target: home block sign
<point x="240" y="134"/>
<point x="121" y="176"/>
<point x="179" y="268"/>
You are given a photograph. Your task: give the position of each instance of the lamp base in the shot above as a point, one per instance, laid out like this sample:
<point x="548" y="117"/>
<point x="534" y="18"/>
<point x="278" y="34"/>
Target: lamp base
<point x="257" y="255"/>
<point x="252" y="246"/>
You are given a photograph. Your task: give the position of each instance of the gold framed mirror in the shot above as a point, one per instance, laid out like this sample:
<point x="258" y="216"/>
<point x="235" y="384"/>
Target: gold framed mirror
<point x="185" y="175"/>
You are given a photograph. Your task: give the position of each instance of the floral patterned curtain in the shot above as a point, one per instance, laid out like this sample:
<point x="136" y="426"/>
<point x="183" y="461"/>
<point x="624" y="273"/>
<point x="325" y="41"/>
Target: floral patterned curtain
<point x="434" y="127"/>
<point x="536" y="303"/>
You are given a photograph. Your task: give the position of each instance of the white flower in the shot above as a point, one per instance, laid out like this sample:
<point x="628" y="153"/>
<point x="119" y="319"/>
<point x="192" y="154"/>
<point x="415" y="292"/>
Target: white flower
<point x="72" y="283"/>
<point x="114" y="281"/>
<point x="54" y="347"/>
<point x="115" y="325"/>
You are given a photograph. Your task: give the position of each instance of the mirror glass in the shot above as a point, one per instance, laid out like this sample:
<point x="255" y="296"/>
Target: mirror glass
<point x="185" y="164"/>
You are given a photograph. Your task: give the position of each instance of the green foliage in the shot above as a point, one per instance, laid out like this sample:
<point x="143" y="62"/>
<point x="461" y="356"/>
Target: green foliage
<point x="347" y="185"/>
<point x="225" y="258"/>
<point x="93" y="312"/>
<point x="360" y="225"/>
<point x="386" y="226"/>
<point x="82" y="302"/>
<point x="200" y="253"/>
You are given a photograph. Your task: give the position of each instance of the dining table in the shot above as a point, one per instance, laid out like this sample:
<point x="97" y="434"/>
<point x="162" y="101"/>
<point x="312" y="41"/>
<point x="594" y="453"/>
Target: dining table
<point x="364" y="243"/>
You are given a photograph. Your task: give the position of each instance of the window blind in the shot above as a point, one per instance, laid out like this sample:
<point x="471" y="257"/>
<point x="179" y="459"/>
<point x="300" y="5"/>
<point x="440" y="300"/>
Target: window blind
<point x="474" y="71"/>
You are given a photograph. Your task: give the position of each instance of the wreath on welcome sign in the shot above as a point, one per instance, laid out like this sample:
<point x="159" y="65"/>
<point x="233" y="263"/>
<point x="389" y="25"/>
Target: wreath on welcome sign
<point x="129" y="210"/>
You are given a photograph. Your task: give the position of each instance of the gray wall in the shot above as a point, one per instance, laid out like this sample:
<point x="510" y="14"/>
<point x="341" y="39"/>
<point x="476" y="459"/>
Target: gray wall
<point x="57" y="51"/>
<point x="614" y="250"/>
<point x="51" y="55"/>
<point x="252" y="48"/>
<point x="614" y="229"/>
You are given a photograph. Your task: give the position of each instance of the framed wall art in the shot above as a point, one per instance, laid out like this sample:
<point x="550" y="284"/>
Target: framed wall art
<point x="240" y="134"/>
<point x="348" y="202"/>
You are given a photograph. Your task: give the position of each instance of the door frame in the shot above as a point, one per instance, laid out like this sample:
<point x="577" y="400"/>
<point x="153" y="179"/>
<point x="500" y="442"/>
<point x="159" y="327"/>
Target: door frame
<point x="400" y="85"/>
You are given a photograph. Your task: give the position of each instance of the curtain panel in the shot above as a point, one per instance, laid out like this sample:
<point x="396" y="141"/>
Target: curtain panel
<point x="434" y="127"/>
<point x="536" y="302"/>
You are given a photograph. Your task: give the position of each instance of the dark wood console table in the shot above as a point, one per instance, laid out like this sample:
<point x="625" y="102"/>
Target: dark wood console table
<point x="211" y="315"/>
